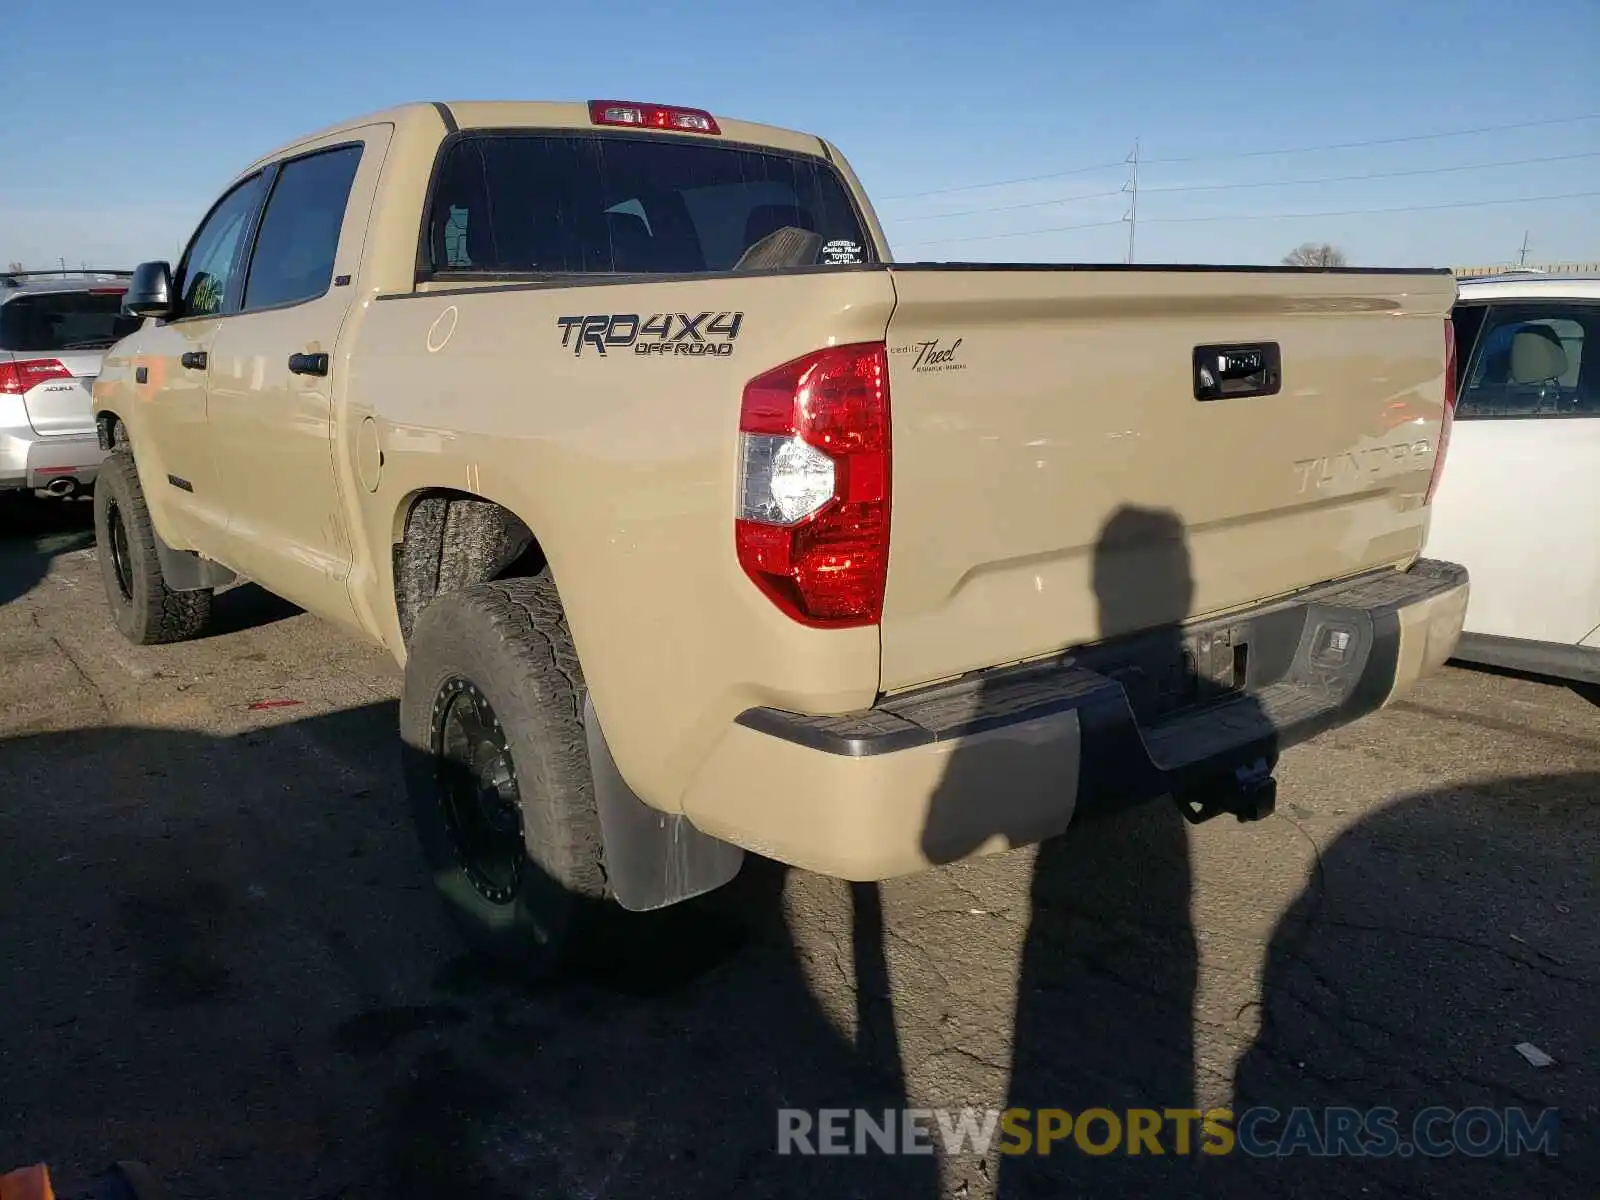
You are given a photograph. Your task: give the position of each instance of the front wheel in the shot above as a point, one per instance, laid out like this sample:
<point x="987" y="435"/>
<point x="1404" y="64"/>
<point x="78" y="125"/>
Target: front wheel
<point x="146" y="611"/>
<point x="497" y="771"/>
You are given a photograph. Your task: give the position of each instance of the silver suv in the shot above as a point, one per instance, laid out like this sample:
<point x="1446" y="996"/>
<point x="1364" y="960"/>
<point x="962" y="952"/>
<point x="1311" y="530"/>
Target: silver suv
<point x="54" y="328"/>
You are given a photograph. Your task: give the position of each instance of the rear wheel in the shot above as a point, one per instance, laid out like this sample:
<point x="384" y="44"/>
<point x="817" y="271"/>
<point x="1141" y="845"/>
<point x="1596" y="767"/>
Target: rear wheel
<point x="145" y="609"/>
<point x="497" y="770"/>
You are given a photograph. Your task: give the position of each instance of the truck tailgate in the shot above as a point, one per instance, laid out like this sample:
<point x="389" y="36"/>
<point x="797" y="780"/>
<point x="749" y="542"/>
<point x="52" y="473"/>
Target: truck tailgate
<point x="1057" y="481"/>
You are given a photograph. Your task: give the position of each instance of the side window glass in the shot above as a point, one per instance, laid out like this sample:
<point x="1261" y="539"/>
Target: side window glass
<point x="299" y="238"/>
<point x="1529" y="363"/>
<point x="214" y="254"/>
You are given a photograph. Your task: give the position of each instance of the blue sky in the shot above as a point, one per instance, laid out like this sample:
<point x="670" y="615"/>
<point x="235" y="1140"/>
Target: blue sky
<point x="124" y="120"/>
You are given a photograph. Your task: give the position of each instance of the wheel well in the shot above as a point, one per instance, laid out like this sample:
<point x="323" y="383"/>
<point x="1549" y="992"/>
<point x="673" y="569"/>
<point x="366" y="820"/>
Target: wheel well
<point x="112" y="434"/>
<point x="453" y="540"/>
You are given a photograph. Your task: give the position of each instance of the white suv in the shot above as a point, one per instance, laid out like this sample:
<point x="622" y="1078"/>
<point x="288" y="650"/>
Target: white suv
<point x="54" y="329"/>
<point x="1519" y="498"/>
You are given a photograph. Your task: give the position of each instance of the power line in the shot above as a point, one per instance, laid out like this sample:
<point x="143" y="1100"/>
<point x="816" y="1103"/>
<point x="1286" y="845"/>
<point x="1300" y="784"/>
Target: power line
<point x="973" y="212"/>
<point x="973" y="187"/>
<point x="1393" y="141"/>
<point x="1510" y="162"/>
<point x="1361" y="212"/>
<point x="1272" y="183"/>
<point x="1192" y="158"/>
<point x="1269" y="183"/>
<point x="989" y="237"/>
<point x="1349" y="212"/>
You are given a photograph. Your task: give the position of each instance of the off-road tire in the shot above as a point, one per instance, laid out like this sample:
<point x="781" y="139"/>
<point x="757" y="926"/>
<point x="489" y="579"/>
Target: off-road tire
<point x="507" y="642"/>
<point x="146" y="611"/>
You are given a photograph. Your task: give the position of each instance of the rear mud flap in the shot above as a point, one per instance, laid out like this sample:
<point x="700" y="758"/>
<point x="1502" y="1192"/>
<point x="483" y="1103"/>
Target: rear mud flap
<point x="652" y="858"/>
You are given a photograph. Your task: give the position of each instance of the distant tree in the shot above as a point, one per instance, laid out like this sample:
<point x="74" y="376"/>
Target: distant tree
<point x="1316" y="254"/>
<point x="13" y="266"/>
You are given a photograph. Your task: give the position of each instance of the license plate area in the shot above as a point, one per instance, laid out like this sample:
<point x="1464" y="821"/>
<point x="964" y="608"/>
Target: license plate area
<point x="1169" y="676"/>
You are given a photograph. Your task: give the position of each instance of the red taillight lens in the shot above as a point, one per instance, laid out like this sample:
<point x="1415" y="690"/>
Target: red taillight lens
<point x="1449" y="409"/>
<point x="651" y="116"/>
<point x="19" y="378"/>
<point x="812" y="529"/>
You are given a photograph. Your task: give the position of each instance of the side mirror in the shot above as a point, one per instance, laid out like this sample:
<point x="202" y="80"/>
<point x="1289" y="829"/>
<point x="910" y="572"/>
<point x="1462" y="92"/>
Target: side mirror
<point x="149" y="292"/>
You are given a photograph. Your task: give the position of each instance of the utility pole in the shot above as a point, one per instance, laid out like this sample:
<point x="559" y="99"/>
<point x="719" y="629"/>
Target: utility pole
<point x="63" y="261"/>
<point x="1132" y="186"/>
<point x="1522" y="259"/>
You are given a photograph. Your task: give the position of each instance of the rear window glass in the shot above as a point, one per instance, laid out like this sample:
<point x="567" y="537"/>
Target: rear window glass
<point x="581" y="204"/>
<point x="63" y="321"/>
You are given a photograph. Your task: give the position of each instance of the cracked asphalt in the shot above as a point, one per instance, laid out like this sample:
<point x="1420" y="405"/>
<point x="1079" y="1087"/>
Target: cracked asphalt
<point x="220" y="955"/>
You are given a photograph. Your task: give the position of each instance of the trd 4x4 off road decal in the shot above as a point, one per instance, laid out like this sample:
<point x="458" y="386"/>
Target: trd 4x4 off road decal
<point x="696" y="335"/>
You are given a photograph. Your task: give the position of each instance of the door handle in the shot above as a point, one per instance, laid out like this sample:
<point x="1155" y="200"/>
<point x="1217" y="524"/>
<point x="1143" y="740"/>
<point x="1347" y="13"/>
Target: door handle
<point x="193" y="360"/>
<point x="308" y="364"/>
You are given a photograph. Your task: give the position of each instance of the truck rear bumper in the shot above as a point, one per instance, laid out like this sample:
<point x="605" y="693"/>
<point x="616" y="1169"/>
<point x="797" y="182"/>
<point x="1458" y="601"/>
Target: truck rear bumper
<point x="1006" y="757"/>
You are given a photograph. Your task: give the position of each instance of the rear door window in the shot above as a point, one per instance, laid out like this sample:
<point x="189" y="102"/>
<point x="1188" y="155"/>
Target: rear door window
<point x="62" y="321"/>
<point x="299" y="238"/>
<point x="1534" y="360"/>
<point x="536" y="204"/>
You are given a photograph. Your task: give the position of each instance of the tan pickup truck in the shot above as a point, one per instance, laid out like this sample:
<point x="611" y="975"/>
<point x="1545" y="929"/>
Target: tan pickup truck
<point x="700" y="526"/>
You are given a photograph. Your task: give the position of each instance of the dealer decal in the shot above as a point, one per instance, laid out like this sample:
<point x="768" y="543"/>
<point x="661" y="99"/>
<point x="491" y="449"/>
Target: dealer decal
<point x="694" y="335"/>
<point x="932" y="356"/>
<point x="840" y="251"/>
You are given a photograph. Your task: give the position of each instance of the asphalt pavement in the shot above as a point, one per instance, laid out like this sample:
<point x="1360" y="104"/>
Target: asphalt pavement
<point x="220" y="954"/>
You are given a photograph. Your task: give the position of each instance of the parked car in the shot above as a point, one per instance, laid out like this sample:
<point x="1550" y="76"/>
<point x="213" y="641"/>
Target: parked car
<point x="1519" y="504"/>
<point x="54" y="328"/>
<point x="586" y="413"/>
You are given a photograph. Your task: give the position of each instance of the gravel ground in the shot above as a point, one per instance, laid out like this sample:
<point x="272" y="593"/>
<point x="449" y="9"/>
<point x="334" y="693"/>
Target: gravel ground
<point x="222" y="955"/>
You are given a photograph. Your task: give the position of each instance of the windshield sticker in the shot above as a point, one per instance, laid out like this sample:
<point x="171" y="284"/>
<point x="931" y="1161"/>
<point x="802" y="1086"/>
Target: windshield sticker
<point x="841" y="251"/>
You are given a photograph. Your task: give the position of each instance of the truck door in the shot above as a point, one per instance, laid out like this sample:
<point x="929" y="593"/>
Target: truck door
<point x="274" y="371"/>
<point x="178" y="471"/>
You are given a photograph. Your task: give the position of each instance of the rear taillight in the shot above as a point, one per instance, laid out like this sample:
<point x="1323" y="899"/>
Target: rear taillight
<point x="19" y="378"/>
<point x="651" y="116"/>
<point x="812" y="528"/>
<point x="1449" y="409"/>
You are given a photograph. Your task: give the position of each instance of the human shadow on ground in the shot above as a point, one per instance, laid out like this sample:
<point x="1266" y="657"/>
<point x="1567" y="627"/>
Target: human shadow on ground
<point x="1106" y="986"/>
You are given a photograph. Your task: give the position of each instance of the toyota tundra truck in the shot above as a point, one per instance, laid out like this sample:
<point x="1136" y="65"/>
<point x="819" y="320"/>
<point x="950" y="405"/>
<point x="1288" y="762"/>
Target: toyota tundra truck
<point x="702" y="527"/>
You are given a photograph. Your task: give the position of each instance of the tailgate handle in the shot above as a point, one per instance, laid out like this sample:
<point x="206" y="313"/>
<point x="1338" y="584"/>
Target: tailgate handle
<point x="1224" y="372"/>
